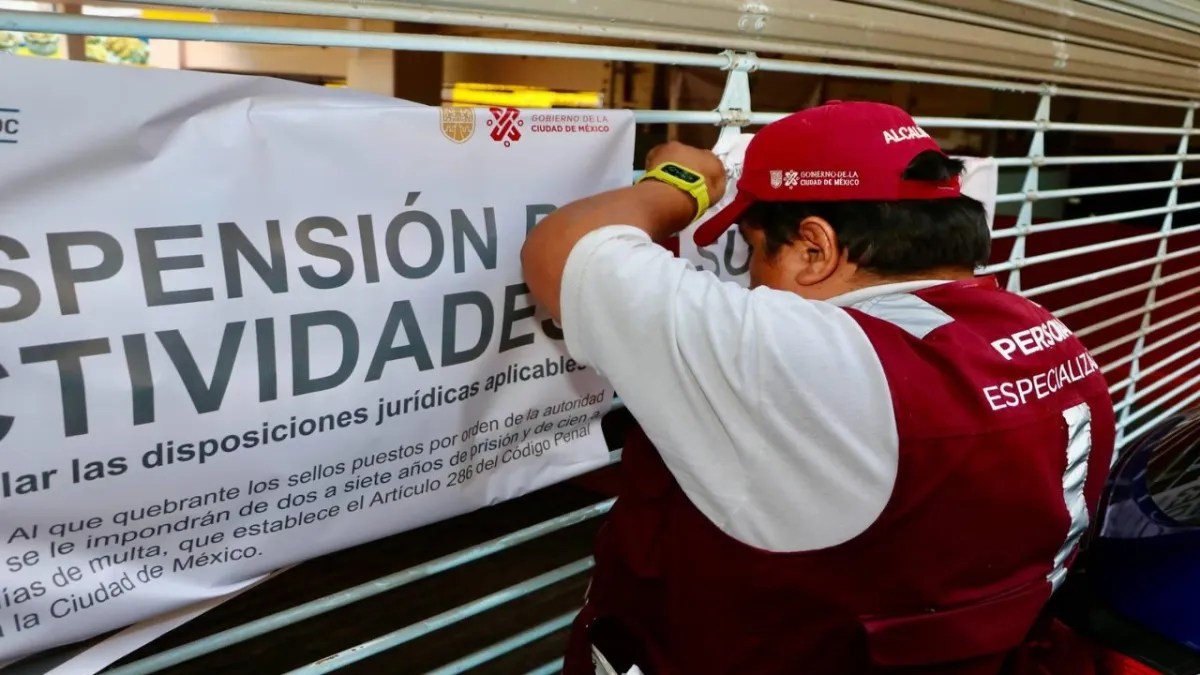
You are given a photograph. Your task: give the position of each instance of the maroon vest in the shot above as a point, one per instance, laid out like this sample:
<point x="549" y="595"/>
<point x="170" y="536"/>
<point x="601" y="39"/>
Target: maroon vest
<point x="949" y="579"/>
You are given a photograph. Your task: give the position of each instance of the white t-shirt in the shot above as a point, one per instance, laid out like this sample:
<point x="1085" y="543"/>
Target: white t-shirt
<point x="772" y="412"/>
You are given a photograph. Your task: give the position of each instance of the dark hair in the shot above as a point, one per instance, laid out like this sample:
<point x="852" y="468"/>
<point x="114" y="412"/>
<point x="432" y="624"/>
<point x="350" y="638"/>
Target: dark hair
<point x="891" y="238"/>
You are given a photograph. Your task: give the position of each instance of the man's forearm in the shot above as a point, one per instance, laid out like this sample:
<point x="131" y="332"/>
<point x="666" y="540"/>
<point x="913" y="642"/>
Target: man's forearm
<point x="656" y="208"/>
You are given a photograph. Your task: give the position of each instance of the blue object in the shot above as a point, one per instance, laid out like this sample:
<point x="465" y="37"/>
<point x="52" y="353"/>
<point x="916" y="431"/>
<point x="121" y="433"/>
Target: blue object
<point x="1146" y="559"/>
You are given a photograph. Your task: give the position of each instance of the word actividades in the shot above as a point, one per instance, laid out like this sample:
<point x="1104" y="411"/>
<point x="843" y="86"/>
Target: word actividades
<point x="267" y="346"/>
<point x="527" y="373"/>
<point x="1017" y="392"/>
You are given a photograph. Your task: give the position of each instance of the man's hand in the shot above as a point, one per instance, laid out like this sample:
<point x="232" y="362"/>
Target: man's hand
<point x="699" y="160"/>
<point x="659" y="209"/>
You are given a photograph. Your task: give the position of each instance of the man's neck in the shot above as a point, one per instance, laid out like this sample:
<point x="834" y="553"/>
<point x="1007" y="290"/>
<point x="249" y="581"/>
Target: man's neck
<point x="865" y="279"/>
<point x="868" y="285"/>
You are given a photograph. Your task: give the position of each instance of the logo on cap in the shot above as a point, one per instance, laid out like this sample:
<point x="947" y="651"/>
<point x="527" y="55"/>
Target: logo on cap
<point x="780" y="178"/>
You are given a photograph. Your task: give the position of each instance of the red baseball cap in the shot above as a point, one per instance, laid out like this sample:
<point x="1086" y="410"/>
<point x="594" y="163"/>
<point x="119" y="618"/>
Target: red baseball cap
<point x="840" y="151"/>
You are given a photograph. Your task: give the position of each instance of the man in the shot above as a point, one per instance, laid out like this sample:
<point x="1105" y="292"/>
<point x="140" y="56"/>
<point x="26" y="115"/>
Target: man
<point x="870" y="462"/>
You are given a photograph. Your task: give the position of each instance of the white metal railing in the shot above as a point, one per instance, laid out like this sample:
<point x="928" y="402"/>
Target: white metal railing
<point x="1095" y="220"/>
<point x="1111" y="272"/>
<point x="1115" y="295"/>
<point x="1112" y="321"/>
<point x="1131" y="394"/>
<point x="1140" y="406"/>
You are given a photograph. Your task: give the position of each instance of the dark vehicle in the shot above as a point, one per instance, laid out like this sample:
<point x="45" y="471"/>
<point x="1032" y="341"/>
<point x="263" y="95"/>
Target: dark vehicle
<point x="1136" y="595"/>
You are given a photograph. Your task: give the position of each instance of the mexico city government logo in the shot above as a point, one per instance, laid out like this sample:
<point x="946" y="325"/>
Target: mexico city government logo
<point x="505" y="124"/>
<point x="458" y="123"/>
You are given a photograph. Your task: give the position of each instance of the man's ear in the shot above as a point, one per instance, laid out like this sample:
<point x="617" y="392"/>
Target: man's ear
<point x="817" y="245"/>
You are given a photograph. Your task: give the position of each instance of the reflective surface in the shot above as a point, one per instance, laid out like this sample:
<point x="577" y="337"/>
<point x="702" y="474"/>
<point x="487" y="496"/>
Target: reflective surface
<point x="1146" y="561"/>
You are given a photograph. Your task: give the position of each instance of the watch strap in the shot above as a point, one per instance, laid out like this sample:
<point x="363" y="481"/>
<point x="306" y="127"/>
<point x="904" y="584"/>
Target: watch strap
<point x="672" y="174"/>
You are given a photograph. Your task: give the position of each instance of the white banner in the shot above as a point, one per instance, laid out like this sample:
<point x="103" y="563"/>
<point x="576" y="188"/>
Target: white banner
<point x="246" y="322"/>
<point x="728" y="258"/>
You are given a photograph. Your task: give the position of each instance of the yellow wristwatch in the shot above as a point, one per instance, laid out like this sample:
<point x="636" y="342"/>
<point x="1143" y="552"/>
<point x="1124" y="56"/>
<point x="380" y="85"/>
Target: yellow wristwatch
<point x="683" y="178"/>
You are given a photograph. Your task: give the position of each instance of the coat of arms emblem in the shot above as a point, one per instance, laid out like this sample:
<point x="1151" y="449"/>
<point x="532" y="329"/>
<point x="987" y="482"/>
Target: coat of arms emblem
<point x="458" y="123"/>
<point x="776" y="178"/>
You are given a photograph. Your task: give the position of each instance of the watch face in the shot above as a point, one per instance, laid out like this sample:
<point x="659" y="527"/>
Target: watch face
<point x="681" y="173"/>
